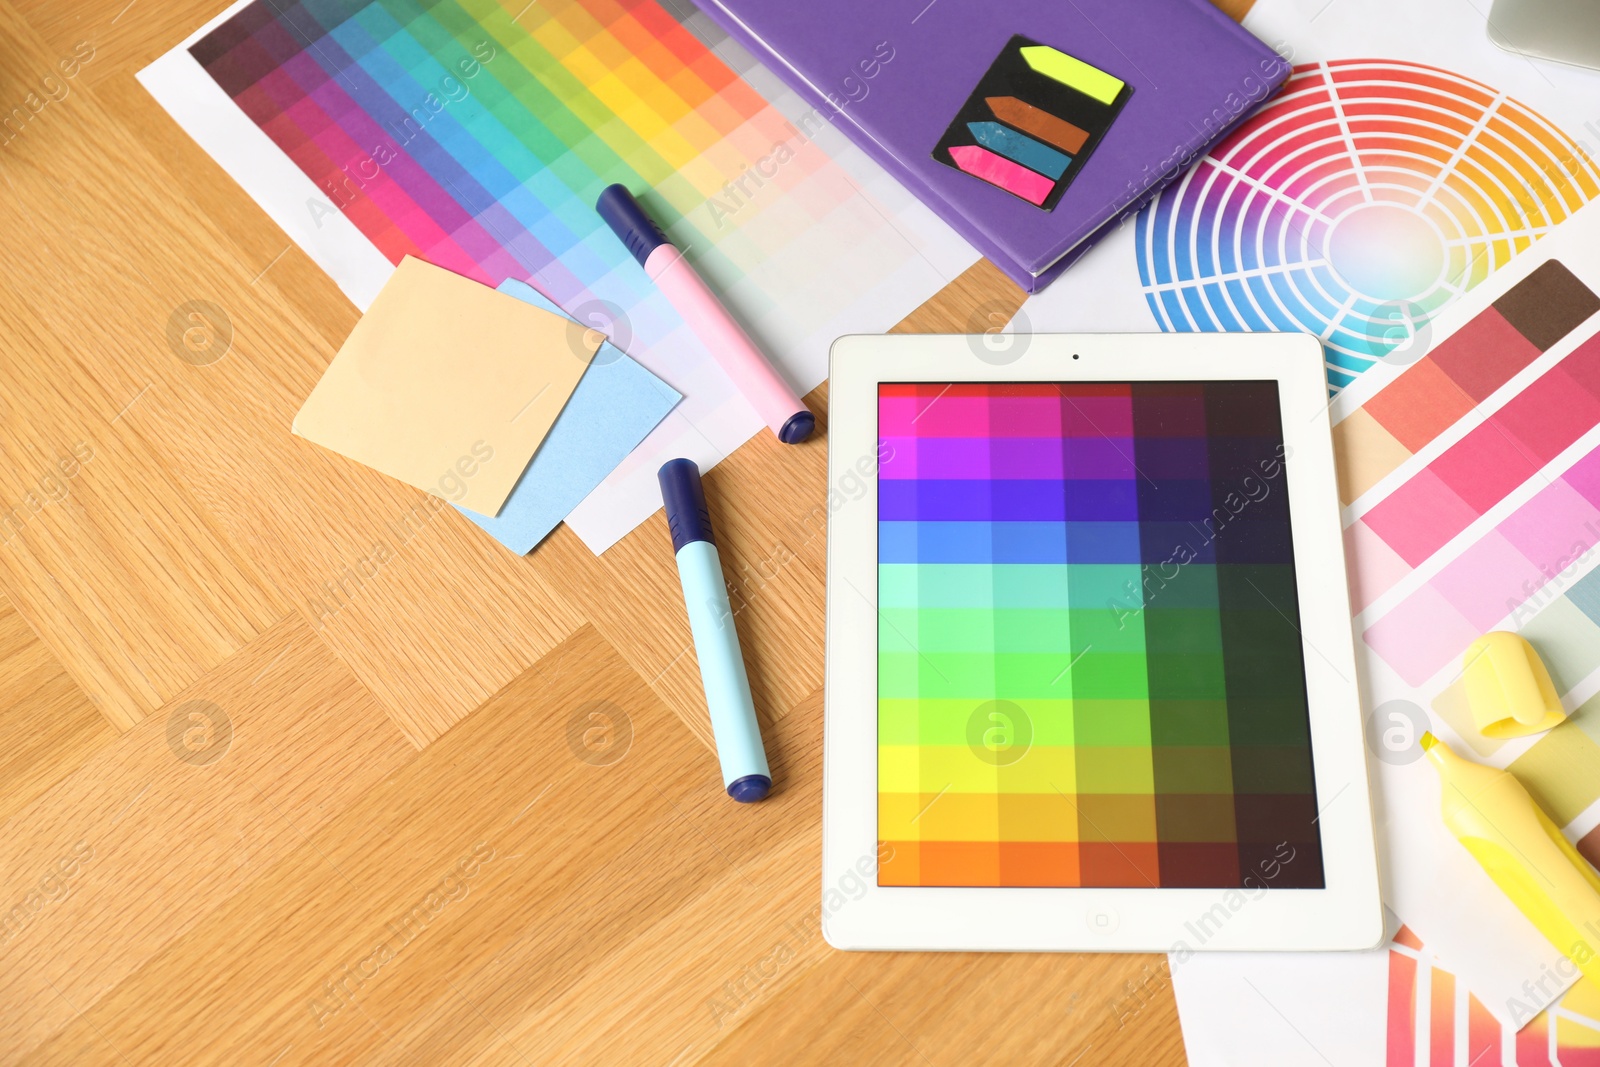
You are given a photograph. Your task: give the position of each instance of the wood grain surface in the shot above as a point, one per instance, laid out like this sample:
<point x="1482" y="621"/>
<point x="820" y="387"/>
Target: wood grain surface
<point x="264" y="801"/>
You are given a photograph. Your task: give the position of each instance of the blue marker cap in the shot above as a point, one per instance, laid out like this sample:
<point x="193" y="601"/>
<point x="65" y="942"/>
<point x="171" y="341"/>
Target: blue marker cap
<point x="750" y="788"/>
<point x="685" y="498"/>
<point x="629" y="222"/>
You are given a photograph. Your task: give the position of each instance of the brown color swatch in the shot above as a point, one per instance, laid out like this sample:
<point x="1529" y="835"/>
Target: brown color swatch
<point x="1548" y="304"/>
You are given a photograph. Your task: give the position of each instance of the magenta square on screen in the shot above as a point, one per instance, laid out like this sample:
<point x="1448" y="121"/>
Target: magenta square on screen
<point x="1096" y="416"/>
<point x="1488" y="581"/>
<point x="1557" y="525"/>
<point x="1419" y="517"/>
<point x="1036" y="458"/>
<point x="946" y="415"/>
<point x="897" y="457"/>
<point x="1025" y="416"/>
<point x="1101" y="457"/>
<point x="1423" y="633"/>
<point x="955" y="457"/>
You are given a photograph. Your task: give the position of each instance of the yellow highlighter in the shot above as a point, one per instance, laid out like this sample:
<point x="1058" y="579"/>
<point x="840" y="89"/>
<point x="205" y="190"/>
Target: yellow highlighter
<point x="1509" y="691"/>
<point x="1522" y="850"/>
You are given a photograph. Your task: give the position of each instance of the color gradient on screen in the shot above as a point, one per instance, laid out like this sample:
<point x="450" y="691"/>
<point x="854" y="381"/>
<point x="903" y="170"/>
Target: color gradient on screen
<point x="1089" y="664"/>
<point x="476" y="135"/>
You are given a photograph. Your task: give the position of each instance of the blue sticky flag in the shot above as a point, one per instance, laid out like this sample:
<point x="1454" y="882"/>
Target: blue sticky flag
<point x="616" y="403"/>
<point x="1020" y="148"/>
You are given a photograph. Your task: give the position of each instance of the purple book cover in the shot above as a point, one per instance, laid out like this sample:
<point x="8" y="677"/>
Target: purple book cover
<point x="1030" y="126"/>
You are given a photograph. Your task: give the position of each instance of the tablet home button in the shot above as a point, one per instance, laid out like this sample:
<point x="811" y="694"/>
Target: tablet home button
<point x="1102" y="920"/>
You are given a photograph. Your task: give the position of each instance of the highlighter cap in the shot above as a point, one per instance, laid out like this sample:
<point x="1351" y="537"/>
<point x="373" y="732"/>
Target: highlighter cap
<point x="1509" y="691"/>
<point x="629" y="222"/>
<point x="685" y="498"/>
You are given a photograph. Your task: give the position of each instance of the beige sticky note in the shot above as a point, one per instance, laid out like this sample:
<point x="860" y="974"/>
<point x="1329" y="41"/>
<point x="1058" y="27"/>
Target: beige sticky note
<point x="447" y="385"/>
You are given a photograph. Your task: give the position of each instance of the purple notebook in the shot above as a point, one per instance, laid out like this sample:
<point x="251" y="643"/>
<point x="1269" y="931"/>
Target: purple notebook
<point x="1031" y="126"/>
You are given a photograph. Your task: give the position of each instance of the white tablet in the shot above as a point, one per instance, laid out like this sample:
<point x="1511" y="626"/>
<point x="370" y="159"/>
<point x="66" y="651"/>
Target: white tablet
<point x="1090" y="682"/>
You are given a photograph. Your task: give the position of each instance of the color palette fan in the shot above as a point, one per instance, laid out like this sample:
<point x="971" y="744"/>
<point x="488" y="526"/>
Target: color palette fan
<point x="1085" y="677"/>
<point x="1355" y="205"/>
<point x="1433" y="1019"/>
<point x="1030" y="125"/>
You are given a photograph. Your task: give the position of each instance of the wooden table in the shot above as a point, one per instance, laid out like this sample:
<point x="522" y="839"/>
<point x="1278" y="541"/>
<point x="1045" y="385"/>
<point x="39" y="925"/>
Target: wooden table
<point x="299" y="767"/>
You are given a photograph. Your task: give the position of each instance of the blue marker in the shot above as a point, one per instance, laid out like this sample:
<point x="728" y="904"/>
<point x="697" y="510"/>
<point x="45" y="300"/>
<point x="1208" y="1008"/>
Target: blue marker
<point x="1020" y="148"/>
<point x="716" y="643"/>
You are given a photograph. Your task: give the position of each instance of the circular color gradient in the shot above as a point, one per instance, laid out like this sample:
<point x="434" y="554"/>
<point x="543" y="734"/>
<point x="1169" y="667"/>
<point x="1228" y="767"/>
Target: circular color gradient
<point x="1357" y="203"/>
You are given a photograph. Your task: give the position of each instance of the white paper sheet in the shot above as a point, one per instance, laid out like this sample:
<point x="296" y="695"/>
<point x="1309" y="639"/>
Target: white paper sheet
<point x="1264" y="1009"/>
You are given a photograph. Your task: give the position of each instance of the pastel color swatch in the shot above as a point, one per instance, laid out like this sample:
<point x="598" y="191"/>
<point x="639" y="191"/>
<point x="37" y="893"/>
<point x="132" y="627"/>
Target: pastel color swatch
<point x="1503" y="573"/>
<point x="617" y="402"/>
<point x="1562" y="768"/>
<point x="447" y="385"/>
<point x="1089" y="665"/>
<point x="1354" y="205"/>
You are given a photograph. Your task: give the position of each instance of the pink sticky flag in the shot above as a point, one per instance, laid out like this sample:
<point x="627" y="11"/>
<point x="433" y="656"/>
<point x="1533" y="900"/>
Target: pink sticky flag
<point x="997" y="170"/>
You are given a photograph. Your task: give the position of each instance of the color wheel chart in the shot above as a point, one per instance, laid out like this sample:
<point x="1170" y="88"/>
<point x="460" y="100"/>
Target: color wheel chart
<point x="1365" y="197"/>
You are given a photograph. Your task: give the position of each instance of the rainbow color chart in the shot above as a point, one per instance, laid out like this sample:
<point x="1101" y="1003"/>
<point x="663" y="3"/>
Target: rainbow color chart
<point x="1355" y="205"/>
<point x="1086" y="678"/>
<point x="476" y="135"/>
<point x="1433" y="1020"/>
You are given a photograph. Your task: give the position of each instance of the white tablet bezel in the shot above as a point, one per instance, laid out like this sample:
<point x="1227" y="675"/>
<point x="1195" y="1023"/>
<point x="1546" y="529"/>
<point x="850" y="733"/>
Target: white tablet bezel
<point x="857" y="913"/>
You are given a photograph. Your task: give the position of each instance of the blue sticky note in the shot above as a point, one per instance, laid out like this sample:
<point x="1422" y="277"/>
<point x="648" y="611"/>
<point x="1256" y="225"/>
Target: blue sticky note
<point x="616" y="403"/>
<point x="1020" y="148"/>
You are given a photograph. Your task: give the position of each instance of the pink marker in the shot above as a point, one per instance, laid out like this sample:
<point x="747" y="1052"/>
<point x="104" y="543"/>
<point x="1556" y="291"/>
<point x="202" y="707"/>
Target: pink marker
<point x="772" y="397"/>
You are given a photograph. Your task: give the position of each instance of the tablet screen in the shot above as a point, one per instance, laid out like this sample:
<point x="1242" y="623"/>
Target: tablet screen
<point x="1089" y="652"/>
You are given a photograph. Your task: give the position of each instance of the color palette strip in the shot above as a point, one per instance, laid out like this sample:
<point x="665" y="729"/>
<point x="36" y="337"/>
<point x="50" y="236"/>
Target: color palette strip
<point x="1468" y="366"/>
<point x="1433" y="1021"/>
<point x="1035" y="117"/>
<point x="1494" y="458"/>
<point x="1497" y="576"/>
<point x="1062" y="702"/>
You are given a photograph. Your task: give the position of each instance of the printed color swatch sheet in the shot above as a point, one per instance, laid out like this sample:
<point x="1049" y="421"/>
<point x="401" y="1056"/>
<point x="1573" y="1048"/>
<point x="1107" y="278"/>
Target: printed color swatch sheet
<point x="1089" y="662"/>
